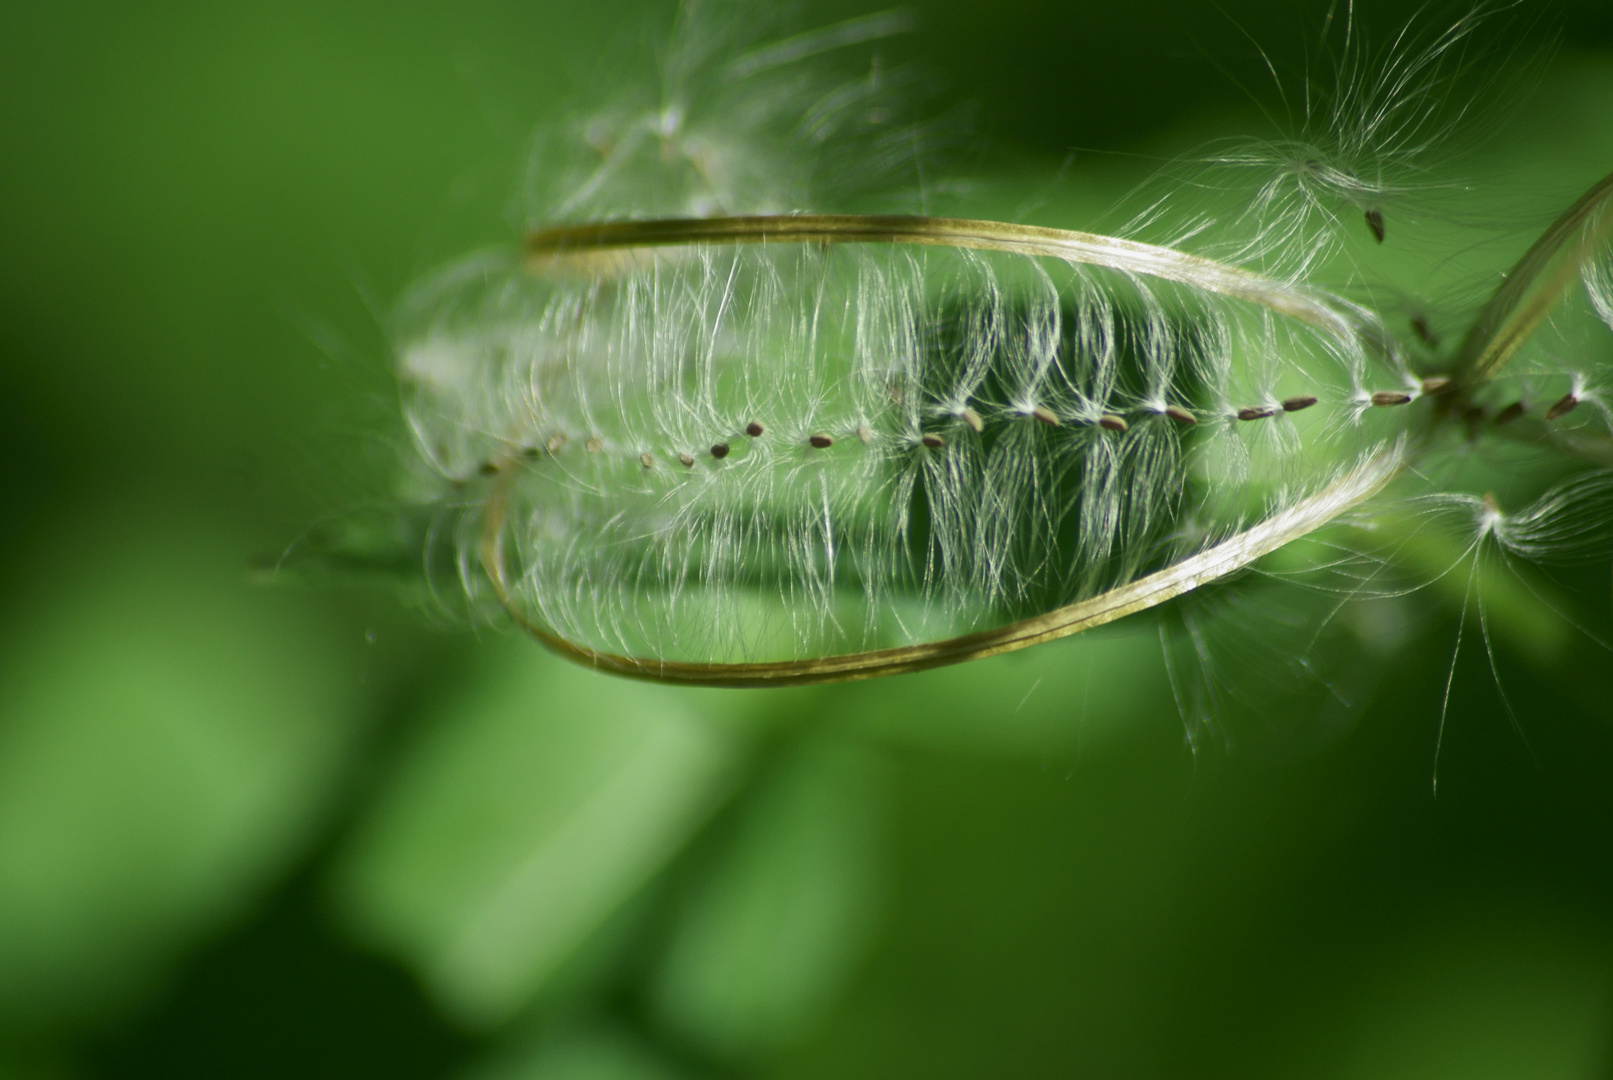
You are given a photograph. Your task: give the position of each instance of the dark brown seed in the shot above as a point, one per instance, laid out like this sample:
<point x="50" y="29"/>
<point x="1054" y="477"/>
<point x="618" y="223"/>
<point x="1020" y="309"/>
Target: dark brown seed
<point x="822" y="442"/>
<point x="1425" y="334"/>
<point x="1110" y="422"/>
<point x="1437" y="384"/>
<point x="594" y="446"/>
<point x="932" y="441"/>
<point x="488" y="468"/>
<point x="1181" y="415"/>
<point x="1510" y="413"/>
<point x="1256" y="414"/>
<point x="972" y="418"/>
<point x="754" y="429"/>
<point x="1295" y="404"/>
<point x="1563" y="407"/>
<point x="1039" y="413"/>
<point x="720" y="451"/>
<point x="686" y="461"/>
<point x="1375" y="223"/>
<point x="556" y="441"/>
<point x="865" y="433"/>
<point x="1390" y="397"/>
<point x="647" y="461"/>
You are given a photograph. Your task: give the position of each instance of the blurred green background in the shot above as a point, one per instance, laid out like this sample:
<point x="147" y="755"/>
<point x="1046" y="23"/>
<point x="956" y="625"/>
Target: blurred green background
<point x="253" y="832"/>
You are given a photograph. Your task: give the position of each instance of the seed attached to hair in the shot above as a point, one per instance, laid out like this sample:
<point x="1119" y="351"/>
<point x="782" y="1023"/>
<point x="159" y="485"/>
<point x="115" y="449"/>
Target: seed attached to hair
<point x="865" y="433"/>
<point x="932" y="441"/>
<point x="1259" y="413"/>
<point x="1390" y="397"/>
<point x="1181" y="415"/>
<point x="1298" y="402"/>
<point x="1110" y="422"/>
<point x="972" y="418"/>
<point x="822" y="442"/>
<point x="1437" y="384"/>
<point x="488" y="468"/>
<point x="556" y="441"/>
<point x="1510" y="413"/>
<point x="686" y="460"/>
<point x="1041" y="414"/>
<point x="1375" y="223"/>
<point x="594" y="446"/>
<point x="647" y="461"/>
<point x="754" y="429"/>
<point x="1563" y="407"/>
<point x="720" y="451"/>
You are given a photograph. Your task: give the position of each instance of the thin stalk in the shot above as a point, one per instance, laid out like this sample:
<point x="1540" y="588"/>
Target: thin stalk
<point x="547" y="247"/>
<point x="1534" y="286"/>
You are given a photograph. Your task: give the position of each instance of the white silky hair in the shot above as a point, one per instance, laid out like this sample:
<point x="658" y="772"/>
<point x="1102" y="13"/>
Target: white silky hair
<point x="982" y="434"/>
<point x="761" y="451"/>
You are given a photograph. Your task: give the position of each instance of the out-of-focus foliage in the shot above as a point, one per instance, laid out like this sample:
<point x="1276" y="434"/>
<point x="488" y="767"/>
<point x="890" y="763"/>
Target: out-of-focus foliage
<point x="510" y="834"/>
<point x="250" y="832"/>
<point x="158" y="767"/>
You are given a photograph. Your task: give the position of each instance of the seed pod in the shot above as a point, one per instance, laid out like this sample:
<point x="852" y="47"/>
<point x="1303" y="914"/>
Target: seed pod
<point x="1385" y="398"/>
<point x="679" y="343"/>
<point x="1298" y="403"/>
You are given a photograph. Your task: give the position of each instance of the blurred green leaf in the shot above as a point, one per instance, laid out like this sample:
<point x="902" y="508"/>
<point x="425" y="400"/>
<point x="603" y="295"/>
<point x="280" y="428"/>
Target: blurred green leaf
<point x="1079" y="692"/>
<point x="166" y="740"/>
<point x="1517" y="991"/>
<point x="598" y="1053"/>
<point x="767" y="934"/>
<point x="541" y="797"/>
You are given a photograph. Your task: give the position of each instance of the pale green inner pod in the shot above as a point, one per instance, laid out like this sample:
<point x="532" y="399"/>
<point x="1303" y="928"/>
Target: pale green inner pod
<point x="749" y="452"/>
